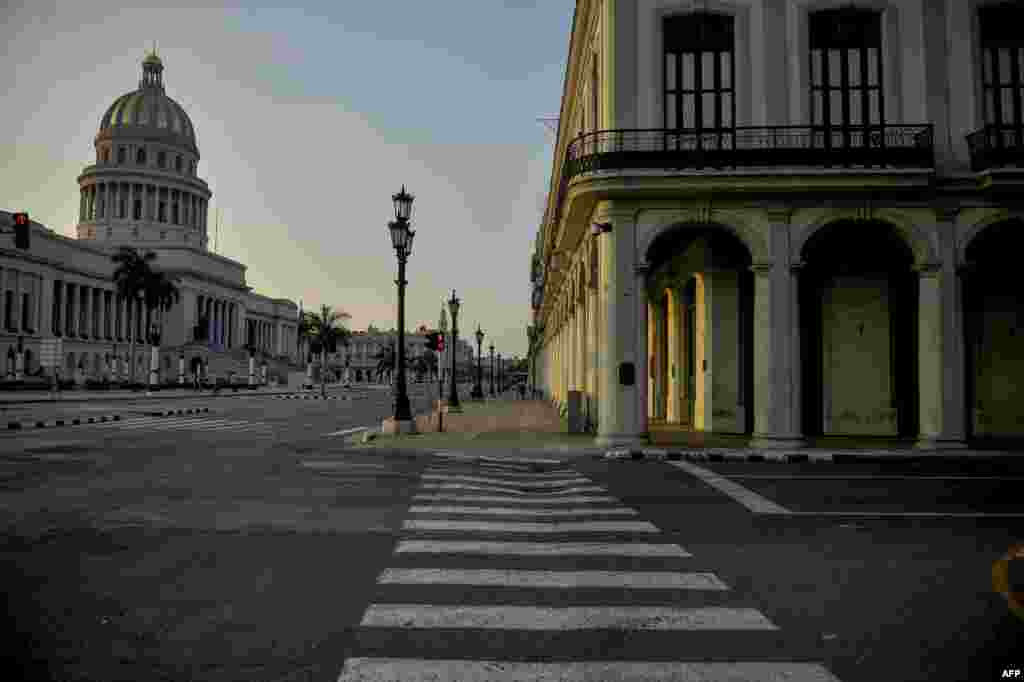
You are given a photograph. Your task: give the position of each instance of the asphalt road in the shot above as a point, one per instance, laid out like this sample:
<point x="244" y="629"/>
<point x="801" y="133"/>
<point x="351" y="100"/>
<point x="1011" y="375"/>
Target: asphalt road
<point x="262" y="549"/>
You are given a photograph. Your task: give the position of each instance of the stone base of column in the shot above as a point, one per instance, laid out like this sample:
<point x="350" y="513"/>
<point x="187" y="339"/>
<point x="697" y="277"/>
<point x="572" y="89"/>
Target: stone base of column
<point x="617" y="440"/>
<point x="761" y="441"/>
<point x="938" y="443"/>
<point x="396" y="427"/>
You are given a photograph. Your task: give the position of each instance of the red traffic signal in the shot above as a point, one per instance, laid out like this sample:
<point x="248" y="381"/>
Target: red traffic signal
<point x="440" y="343"/>
<point x="21" y="230"/>
<point x="434" y="341"/>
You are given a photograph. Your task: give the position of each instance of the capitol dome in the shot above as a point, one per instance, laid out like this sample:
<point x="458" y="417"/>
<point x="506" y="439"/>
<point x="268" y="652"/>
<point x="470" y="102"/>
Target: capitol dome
<point x="148" y="112"/>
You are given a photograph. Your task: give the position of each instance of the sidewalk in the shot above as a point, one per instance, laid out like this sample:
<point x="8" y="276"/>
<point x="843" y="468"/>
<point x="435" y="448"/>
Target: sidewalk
<point x="507" y="425"/>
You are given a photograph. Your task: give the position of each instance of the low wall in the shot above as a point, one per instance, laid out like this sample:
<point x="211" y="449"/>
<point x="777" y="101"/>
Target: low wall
<point x="511" y="415"/>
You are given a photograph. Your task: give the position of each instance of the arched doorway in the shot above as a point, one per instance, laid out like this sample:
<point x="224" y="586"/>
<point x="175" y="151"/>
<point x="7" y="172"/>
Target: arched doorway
<point x="700" y="295"/>
<point x="858" y="314"/>
<point x="993" y="303"/>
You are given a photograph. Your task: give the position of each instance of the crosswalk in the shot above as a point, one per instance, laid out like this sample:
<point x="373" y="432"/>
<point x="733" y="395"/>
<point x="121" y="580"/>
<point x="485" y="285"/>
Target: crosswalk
<point x="188" y="423"/>
<point x="508" y="573"/>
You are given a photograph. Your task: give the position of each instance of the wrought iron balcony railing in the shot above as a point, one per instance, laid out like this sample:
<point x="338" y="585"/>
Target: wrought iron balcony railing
<point x="880" y="146"/>
<point x="872" y="146"/>
<point x="995" y="146"/>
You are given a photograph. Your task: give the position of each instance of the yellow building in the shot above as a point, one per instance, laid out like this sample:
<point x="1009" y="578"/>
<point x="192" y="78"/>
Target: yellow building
<point x="788" y="219"/>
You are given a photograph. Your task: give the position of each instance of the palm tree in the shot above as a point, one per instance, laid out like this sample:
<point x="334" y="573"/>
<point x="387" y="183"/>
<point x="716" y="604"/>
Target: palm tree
<point x="326" y="333"/>
<point x="131" y="278"/>
<point x="160" y="294"/>
<point x="305" y="333"/>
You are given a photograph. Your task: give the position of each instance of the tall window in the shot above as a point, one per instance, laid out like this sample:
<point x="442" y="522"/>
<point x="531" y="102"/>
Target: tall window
<point x="1002" y="68"/>
<point x="120" y="154"/>
<point x="140" y="156"/>
<point x="161" y="159"/>
<point x="699" y="73"/>
<point x="846" y="72"/>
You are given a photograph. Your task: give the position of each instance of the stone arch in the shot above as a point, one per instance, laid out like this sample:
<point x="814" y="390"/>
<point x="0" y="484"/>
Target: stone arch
<point x="916" y="239"/>
<point x="736" y="224"/>
<point x="979" y="226"/>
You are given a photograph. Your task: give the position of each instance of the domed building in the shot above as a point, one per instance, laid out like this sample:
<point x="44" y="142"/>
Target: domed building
<point x="144" y="191"/>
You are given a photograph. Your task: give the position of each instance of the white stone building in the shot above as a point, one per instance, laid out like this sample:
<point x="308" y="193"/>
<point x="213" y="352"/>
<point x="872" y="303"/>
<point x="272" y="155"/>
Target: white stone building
<point x="788" y="219"/>
<point x="364" y="346"/>
<point x="144" y="191"/>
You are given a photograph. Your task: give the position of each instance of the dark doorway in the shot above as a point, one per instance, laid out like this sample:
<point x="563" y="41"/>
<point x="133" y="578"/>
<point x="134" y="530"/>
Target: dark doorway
<point x="871" y="249"/>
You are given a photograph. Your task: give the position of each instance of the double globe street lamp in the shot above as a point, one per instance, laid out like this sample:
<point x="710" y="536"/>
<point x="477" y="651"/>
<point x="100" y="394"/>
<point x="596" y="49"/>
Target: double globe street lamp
<point x="478" y="391"/>
<point x="492" y="370"/>
<point x="453" y="397"/>
<point x="401" y="240"/>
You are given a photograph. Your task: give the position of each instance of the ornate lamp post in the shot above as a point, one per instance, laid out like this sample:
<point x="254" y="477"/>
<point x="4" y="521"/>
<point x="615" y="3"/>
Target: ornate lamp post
<point x="501" y="383"/>
<point x="478" y="392"/>
<point x="154" y="360"/>
<point x="492" y="370"/>
<point x="453" y="395"/>
<point x="401" y="240"/>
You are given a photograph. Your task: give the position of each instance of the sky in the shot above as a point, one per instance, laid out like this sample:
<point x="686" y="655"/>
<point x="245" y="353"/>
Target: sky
<point x="308" y="118"/>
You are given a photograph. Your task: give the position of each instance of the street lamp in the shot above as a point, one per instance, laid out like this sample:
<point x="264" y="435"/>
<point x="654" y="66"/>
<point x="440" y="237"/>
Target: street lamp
<point x="453" y="396"/>
<point x="501" y="385"/>
<point x="478" y="391"/>
<point x="401" y="240"/>
<point x="492" y="370"/>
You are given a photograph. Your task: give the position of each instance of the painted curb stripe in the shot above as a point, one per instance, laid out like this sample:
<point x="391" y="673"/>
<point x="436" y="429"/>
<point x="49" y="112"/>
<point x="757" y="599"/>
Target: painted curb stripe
<point x="367" y="669"/>
<point x="553" y="527"/>
<point x="624" y="549"/>
<point x="510" y="511"/>
<point x="651" y="580"/>
<point x="347" y="431"/>
<point x="631" y="618"/>
<point x="748" y="498"/>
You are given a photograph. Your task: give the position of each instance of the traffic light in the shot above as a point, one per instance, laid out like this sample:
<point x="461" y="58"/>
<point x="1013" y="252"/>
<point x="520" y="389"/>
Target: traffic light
<point x="434" y="341"/>
<point x="21" y="230"/>
<point x="440" y="343"/>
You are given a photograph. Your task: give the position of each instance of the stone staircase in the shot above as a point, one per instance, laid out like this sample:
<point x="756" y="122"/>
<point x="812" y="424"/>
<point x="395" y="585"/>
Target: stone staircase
<point x="234" y="360"/>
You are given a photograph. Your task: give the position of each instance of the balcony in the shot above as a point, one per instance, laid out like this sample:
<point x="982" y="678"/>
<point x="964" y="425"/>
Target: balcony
<point x="996" y="146"/>
<point x="880" y="146"/>
<point x="747" y="147"/>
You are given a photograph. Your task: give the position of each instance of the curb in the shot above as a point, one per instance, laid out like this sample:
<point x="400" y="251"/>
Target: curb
<point x="783" y="457"/>
<point x="14" y="426"/>
<point x="168" y="413"/>
<point x="716" y="455"/>
<point x="299" y="396"/>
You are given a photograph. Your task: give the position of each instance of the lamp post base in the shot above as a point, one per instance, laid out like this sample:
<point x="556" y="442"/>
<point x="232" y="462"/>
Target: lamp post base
<point x="397" y="427"/>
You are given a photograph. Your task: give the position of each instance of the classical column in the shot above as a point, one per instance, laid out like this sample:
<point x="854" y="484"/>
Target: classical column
<point x="941" y="349"/>
<point x="620" y="407"/>
<point x="86" y="312"/>
<point x="640" y="304"/>
<point x="58" y="303"/>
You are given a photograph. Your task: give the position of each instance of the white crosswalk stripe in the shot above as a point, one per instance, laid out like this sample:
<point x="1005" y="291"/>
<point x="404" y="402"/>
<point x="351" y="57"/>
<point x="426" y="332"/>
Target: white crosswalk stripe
<point x="513" y="511"/>
<point x="211" y="424"/>
<point x="463" y="602"/>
